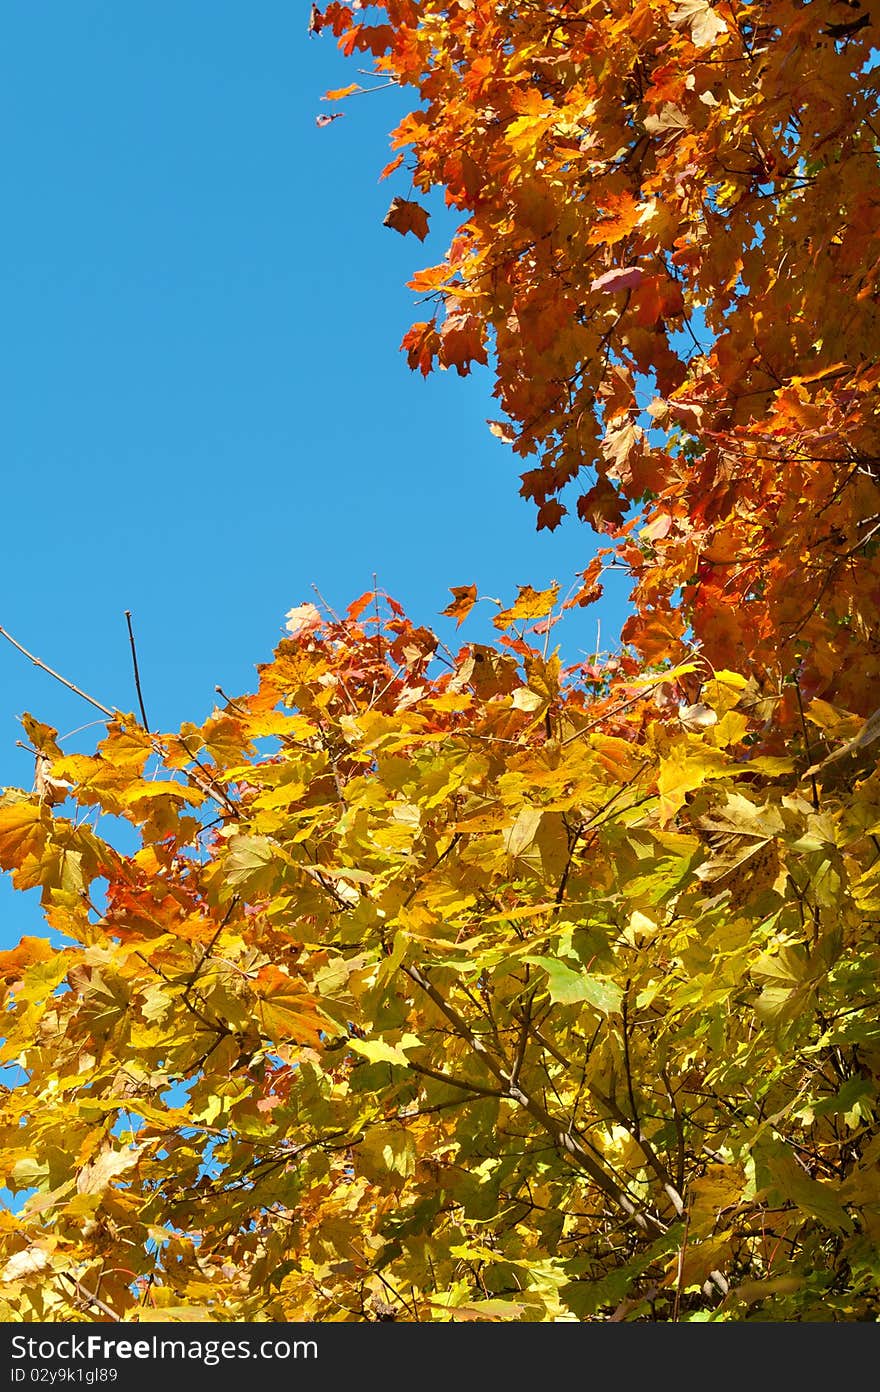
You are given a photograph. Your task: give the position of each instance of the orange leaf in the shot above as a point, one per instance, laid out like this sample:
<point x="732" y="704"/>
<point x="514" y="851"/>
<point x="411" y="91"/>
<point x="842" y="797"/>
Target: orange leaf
<point x="461" y="343"/>
<point x="339" y="92"/>
<point x="357" y="607"/>
<point x="390" y="168"/>
<point x="286" y="1009"/>
<point x="23" y="827"/>
<point x="421" y="343"/>
<point x="463" y="601"/>
<point x="16" y="960"/>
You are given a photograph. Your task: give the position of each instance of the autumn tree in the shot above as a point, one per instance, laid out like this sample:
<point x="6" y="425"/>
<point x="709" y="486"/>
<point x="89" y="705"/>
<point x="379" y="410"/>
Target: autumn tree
<point x="465" y="985"/>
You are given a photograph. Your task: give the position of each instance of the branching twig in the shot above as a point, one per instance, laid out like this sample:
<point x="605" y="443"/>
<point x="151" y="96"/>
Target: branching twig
<point x="83" y="1291"/>
<point x="570" y="1145"/>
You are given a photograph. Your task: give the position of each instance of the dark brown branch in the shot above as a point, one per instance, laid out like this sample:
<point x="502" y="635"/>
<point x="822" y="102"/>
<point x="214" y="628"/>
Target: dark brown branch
<point x="137" y="675"/>
<point x="674" y="1190"/>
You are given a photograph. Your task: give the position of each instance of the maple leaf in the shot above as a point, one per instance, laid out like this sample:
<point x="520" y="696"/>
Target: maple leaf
<point x="23" y="834"/>
<point x="406" y="216"/>
<point x="285" y="1008"/>
<point x="108" y="1165"/>
<point x="503" y="430"/>
<point x="422" y="346"/>
<point x="550" y="514"/>
<point x="464" y="597"/>
<point x="391" y="166"/>
<point x="529" y="604"/>
<point x="697" y="717"/>
<point x="14" y="961"/>
<point x="461" y="342"/>
<point x="338" y="93"/>
<point x="344" y="1013"/>
<point x="303" y="619"/>
<point x="706" y="25"/>
<point x="27" y="1262"/>
<point x="600" y="506"/>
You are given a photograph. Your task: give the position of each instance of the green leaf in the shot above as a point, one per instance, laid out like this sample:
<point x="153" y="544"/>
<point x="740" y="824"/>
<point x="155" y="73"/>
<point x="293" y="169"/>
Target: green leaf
<point x="567" y="987"/>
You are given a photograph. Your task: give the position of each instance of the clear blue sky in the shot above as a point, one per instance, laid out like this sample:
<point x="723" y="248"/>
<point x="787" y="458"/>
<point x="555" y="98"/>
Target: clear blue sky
<point x="204" y="406"/>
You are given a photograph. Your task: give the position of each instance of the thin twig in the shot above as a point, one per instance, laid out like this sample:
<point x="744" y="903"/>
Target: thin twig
<point x="379" y="651"/>
<point x="137" y="675"/>
<point x="330" y="610"/>
<point x="568" y="1144"/>
<point x="57" y="675"/>
<point x="463" y="1084"/>
<point x="678" y="1123"/>
<point x="815" y="786"/>
<point x="209" y="949"/>
<point x="230" y="701"/>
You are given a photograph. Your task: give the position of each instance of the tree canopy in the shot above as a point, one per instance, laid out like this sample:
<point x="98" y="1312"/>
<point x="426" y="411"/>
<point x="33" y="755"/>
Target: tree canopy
<point x="474" y="985"/>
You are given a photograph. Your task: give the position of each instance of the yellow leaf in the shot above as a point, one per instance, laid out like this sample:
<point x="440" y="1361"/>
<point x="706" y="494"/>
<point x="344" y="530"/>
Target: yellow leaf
<point x="377" y="1051"/>
<point x="387" y="1155"/>
<point x="486" y="1310"/>
<point x="23" y="831"/>
<point x="683" y="770"/>
<point x="526" y="700"/>
<point x="108" y="1165"/>
<point x="524" y="829"/>
<point x="179" y="1314"/>
<point x="529" y="604"/>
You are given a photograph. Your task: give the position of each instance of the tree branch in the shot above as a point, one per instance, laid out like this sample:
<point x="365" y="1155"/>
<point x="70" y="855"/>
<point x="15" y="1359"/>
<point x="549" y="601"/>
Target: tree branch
<point x="563" y="1140"/>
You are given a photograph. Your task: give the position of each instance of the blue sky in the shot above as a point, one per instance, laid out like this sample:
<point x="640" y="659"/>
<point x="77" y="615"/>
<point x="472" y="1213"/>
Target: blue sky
<point x="205" y="410"/>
